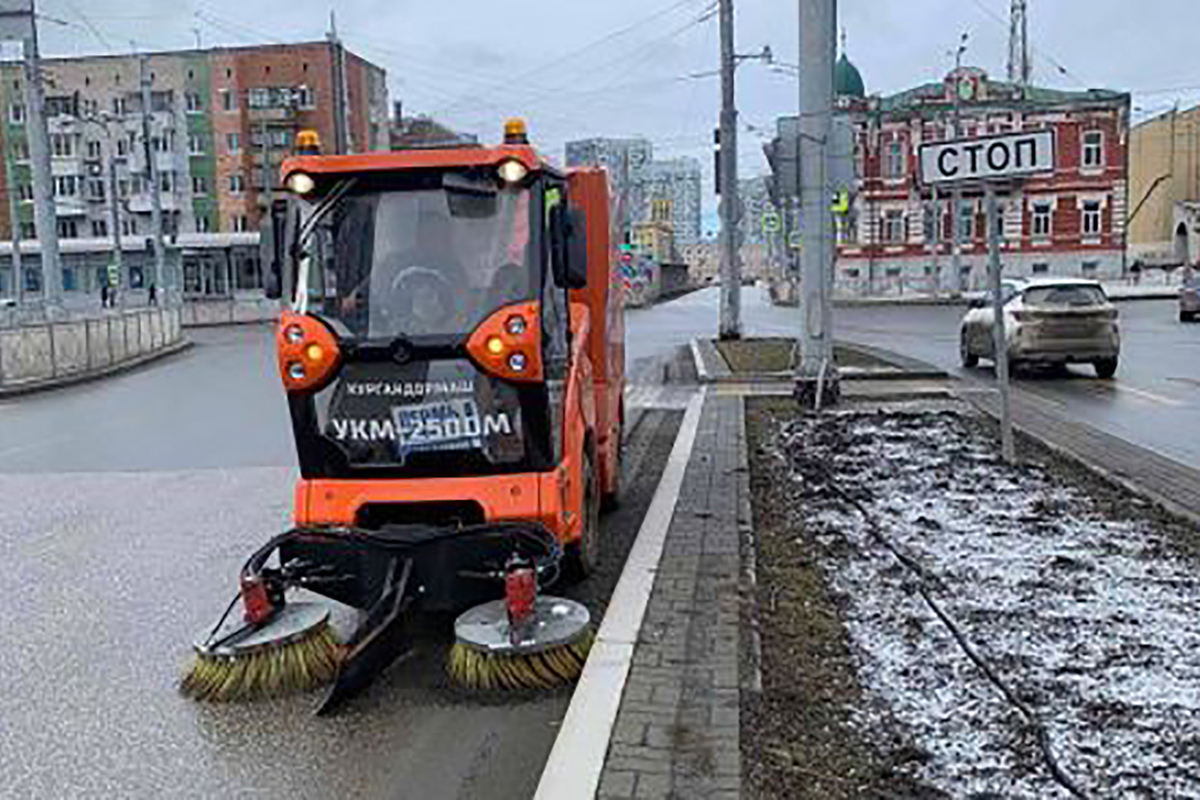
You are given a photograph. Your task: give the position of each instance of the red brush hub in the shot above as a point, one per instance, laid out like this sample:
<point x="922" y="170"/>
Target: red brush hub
<point x="520" y="591"/>
<point x="256" y="600"/>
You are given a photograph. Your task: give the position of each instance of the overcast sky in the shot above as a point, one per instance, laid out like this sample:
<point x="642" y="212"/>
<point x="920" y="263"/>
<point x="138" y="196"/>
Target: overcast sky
<point x="625" y="67"/>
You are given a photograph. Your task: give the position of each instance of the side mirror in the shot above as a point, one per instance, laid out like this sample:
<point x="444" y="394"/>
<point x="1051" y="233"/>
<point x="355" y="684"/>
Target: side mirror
<point x="577" y="258"/>
<point x="272" y="252"/>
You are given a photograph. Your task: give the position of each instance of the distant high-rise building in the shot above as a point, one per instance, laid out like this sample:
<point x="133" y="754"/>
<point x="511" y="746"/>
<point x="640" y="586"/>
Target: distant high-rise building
<point x="627" y="162"/>
<point x="755" y="203"/>
<point x="678" y="180"/>
<point x="638" y="179"/>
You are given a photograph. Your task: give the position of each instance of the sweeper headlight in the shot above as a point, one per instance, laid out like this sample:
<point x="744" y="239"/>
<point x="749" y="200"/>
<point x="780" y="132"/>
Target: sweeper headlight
<point x="512" y="171"/>
<point x="300" y="183"/>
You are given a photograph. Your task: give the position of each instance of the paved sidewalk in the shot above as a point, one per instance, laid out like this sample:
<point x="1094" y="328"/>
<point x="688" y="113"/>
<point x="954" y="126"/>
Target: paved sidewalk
<point x="677" y="731"/>
<point x="1169" y="483"/>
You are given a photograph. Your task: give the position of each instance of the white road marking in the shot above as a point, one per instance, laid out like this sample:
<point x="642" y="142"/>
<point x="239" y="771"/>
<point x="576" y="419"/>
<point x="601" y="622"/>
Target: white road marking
<point x="573" y="770"/>
<point x="1145" y="395"/>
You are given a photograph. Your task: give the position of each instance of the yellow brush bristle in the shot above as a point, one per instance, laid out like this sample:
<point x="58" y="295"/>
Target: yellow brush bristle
<point x="297" y="666"/>
<point x="547" y="669"/>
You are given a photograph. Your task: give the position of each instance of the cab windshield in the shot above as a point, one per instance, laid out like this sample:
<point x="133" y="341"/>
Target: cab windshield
<point x="429" y="261"/>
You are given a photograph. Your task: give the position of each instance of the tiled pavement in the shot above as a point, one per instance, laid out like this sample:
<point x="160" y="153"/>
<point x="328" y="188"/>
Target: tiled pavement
<point x="676" y="734"/>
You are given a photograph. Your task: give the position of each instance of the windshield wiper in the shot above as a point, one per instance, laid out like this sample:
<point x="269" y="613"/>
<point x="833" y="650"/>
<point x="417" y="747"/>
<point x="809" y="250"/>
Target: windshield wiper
<point x="323" y="208"/>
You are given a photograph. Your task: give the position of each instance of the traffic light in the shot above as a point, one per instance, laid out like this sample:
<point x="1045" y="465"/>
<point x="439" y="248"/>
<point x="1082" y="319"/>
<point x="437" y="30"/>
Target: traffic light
<point x="717" y="158"/>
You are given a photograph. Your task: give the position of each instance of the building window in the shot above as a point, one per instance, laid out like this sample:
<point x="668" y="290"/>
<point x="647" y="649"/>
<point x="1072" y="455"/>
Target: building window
<point x="929" y="224"/>
<point x="199" y="184"/>
<point x="93" y="149"/>
<point x="137" y="278"/>
<point x="1041" y="220"/>
<point x="135" y="184"/>
<point x="16" y="113"/>
<point x="260" y="97"/>
<point x="893" y="226"/>
<point x="194" y="106"/>
<point x="164" y="181"/>
<point x="25" y="192"/>
<point x="306" y="97"/>
<point x="1090" y="267"/>
<point x="893" y="272"/>
<point x="966" y="222"/>
<point x="68" y="279"/>
<point x="67" y="229"/>
<point x="123" y="188"/>
<point x="20" y="149"/>
<point x="203" y="224"/>
<point x="28" y="230"/>
<point x="1093" y="149"/>
<point x="129" y="227"/>
<point x="280" y="137"/>
<point x="118" y="106"/>
<point x="62" y="144"/>
<point x="122" y="147"/>
<point x="895" y="160"/>
<point x="1041" y="268"/>
<point x="227" y="100"/>
<point x="239" y="223"/>
<point x="96" y="189"/>
<point x="33" y="279"/>
<point x="233" y="142"/>
<point x="1091" y="218"/>
<point x="64" y="186"/>
<point x="196" y="144"/>
<point x="99" y="228"/>
<point x="235" y="183"/>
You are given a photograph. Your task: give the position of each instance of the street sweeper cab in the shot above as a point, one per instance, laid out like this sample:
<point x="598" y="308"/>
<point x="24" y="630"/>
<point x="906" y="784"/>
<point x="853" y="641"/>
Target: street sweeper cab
<point x="452" y="351"/>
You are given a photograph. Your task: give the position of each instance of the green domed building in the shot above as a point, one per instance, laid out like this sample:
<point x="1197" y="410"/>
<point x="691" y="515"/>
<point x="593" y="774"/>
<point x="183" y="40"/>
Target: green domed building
<point x="847" y="80"/>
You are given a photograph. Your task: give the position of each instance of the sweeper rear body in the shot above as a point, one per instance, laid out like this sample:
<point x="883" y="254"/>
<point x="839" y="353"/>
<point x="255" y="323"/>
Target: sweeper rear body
<point x="452" y="350"/>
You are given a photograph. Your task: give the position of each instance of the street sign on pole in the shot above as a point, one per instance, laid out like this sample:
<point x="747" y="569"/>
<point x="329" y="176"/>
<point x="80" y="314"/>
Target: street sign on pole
<point x="991" y="160"/>
<point x="987" y="157"/>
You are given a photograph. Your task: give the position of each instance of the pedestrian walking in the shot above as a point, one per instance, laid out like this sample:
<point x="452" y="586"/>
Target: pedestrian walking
<point x="153" y="294"/>
<point x="104" y="295"/>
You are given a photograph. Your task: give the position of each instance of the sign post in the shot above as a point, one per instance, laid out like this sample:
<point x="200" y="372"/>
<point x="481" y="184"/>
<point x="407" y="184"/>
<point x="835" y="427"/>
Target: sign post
<point x="1000" y="338"/>
<point x="989" y="160"/>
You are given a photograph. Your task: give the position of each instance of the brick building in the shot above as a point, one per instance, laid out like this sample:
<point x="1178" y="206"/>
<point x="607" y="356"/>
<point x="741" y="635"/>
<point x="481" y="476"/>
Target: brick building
<point x="897" y="237"/>
<point x="216" y="116"/>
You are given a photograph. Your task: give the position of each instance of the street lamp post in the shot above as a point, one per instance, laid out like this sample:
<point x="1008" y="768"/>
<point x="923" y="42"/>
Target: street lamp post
<point x="956" y="214"/>
<point x="114" y="208"/>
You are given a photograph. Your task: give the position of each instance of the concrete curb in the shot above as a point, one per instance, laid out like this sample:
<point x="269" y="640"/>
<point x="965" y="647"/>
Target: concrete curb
<point x="712" y="369"/>
<point x="92" y="375"/>
<point x="572" y="771"/>
<point x="1129" y="485"/>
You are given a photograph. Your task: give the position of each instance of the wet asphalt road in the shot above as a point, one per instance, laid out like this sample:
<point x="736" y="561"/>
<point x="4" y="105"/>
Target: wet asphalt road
<point x="126" y="508"/>
<point x="1153" y="401"/>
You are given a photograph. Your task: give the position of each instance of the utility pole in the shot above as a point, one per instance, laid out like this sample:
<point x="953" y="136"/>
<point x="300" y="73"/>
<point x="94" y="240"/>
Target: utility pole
<point x="956" y="213"/>
<point x="156" y="222"/>
<point x="341" y="130"/>
<point x="816" y="375"/>
<point x="45" y="216"/>
<point x="14" y="215"/>
<point x="114" y="214"/>
<point x="1018" y="44"/>
<point x="730" y="206"/>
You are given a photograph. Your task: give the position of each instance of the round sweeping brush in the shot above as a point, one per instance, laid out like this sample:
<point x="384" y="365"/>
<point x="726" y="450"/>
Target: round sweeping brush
<point x="293" y="651"/>
<point x="523" y="641"/>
